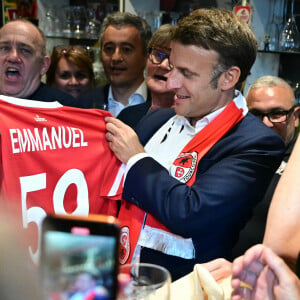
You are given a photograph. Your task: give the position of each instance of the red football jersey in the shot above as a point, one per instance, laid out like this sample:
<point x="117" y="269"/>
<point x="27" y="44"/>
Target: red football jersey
<point x="55" y="159"/>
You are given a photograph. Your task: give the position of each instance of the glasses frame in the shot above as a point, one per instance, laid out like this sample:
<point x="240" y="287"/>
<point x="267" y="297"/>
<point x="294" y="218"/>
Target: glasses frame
<point x="151" y="55"/>
<point x="284" y="113"/>
<point x="170" y="64"/>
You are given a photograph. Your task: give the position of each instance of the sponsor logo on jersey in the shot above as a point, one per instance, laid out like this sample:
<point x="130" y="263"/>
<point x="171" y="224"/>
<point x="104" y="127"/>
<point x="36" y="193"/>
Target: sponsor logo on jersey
<point x="40" y="119"/>
<point x="184" y="166"/>
<point x="124" y="245"/>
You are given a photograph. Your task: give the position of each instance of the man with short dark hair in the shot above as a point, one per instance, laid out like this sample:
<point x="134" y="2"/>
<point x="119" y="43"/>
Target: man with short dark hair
<point x="123" y="43"/>
<point x="194" y="174"/>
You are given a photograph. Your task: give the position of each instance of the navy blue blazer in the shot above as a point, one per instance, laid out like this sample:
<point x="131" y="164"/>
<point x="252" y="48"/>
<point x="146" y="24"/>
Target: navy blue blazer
<point x="131" y="115"/>
<point x="253" y="232"/>
<point x="47" y="93"/>
<point x="231" y="178"/>
<point x="96" y="98"/>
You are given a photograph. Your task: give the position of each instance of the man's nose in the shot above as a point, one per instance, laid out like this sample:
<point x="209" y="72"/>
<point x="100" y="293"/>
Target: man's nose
<point x="13" y="55"/>
<point x="117" y="55"/>
<point x="173" y="81"/>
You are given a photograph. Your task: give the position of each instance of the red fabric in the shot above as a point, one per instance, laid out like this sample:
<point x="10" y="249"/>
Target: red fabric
<point x="39" y="175"/>
<point x="132" y="216"/>
<point x="33" y="10"/>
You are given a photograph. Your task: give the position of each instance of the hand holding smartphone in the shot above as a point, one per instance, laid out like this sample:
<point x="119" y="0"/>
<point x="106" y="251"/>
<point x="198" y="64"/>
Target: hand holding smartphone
<point x="79" y="257"/>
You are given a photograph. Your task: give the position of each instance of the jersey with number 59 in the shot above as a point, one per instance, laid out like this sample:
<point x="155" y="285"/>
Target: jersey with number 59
<point x="55" y="159"/>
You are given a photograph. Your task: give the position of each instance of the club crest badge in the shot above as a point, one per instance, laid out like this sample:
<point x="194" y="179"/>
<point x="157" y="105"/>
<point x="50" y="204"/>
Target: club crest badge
<point x="281" y="168"/>
<point x="184" y="166"/>
<point x="124" y="245"/>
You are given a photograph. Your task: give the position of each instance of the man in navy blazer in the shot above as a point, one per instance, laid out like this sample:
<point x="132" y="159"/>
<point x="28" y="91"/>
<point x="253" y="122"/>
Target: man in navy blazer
<point x="193" y="174"/>
<point x="123" y="43"/>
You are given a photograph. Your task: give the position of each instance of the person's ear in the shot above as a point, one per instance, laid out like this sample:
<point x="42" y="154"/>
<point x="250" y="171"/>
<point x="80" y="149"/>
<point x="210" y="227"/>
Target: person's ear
<point x="45" y="65"/>
<point x="230" y="78"/>
<point x="296" y="115"/>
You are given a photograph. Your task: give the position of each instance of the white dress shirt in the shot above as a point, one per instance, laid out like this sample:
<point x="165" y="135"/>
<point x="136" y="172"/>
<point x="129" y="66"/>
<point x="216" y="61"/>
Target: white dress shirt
<point x="177" y="132"/>
<point x="139" y="96"/>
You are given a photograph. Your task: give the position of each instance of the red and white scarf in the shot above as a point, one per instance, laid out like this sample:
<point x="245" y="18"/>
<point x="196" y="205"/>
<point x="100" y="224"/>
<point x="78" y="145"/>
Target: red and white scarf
<point x="184" y="168"/>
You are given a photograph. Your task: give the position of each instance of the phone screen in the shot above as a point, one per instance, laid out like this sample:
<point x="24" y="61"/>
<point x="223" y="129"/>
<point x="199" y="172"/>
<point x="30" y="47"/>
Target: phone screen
<point x="79" y="260"/>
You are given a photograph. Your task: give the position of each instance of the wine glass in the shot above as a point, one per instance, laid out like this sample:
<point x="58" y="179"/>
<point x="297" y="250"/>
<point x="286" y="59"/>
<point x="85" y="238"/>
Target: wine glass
<point x="68" y="21"/>
<point x="49" y="21"/>
<point x="289" y="39"/>
<point x="272" y="32"/>
<point x="80" y="20"/>
<point x="93" y="24"/>
<point x="280" y="15"/>
<point x="174" y="17"/>
<point x="143" y="281"/>
<point x="157" y="17"/>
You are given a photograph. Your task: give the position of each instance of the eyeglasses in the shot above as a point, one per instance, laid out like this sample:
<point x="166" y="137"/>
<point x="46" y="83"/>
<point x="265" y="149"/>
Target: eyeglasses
<point x="157" y="56"/>
<point x="276" y="116"/>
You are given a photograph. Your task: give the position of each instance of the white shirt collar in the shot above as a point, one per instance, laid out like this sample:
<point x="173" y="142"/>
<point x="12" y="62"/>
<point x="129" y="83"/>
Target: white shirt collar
<point x="141" y="90"/>
<point x="139" y="96"/>
<point x="165" y="145"/>
<point x="239" y="100"/>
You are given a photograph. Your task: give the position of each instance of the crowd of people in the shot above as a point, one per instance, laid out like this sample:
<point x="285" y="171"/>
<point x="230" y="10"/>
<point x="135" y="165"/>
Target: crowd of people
<point x="209" y="175"/>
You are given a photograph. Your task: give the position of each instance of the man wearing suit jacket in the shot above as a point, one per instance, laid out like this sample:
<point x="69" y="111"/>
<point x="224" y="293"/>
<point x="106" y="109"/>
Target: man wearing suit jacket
<point x="272" y="100"/>
<point x="123" y="43"/>
<point x="193" y="174"/>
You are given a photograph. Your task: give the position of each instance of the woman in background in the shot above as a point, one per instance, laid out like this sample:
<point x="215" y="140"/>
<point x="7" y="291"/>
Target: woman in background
<point x="157" y="73"/>
<point x="158" y="69"/>
<point x="71" y="70"/>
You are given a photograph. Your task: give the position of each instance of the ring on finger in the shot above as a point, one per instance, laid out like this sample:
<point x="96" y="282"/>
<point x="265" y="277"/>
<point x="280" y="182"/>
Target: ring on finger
<point x="245" y="285"/>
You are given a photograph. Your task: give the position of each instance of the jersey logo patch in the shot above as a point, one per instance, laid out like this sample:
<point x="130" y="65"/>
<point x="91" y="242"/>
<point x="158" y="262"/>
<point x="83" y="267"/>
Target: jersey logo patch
<point x="124" y="245"/>
<point x="184" y="166"/>
<point x="281" y="168"/>
<point x="40" y="119"/>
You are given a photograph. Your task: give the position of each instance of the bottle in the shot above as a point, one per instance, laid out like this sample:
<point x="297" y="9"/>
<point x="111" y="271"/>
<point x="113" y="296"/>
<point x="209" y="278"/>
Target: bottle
<point x="49" y="22"/>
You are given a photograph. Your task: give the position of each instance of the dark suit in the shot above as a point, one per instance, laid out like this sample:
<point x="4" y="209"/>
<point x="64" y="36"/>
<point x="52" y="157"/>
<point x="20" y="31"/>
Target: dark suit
<point x="96" y="98"/>
<point x="253" y="232"/>
<point x="46" y="93"/>
<point x="130" y="115"/>
<point x="230" y="180"/>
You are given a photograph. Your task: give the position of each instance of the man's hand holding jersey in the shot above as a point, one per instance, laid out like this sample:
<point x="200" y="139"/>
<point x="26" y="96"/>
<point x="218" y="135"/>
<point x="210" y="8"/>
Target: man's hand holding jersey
<point x="122" y="139"/>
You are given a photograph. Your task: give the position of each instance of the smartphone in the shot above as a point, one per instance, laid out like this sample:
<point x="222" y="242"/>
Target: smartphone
<point x="79" y="257"/>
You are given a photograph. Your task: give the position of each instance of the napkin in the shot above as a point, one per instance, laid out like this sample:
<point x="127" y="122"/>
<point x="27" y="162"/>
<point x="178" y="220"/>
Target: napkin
<point x="200" y="285"/>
